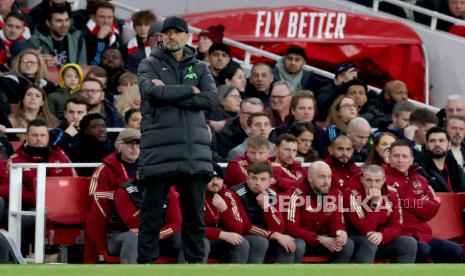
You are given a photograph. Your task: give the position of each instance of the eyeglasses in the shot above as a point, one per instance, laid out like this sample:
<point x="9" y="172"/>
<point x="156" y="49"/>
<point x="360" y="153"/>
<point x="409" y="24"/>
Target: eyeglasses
<point x="91" y="91"/>
<point x="234" y="96"/>
<point x="348" y="106"/>
<point x="279" y="97"/>
<point x="29" y="62"/>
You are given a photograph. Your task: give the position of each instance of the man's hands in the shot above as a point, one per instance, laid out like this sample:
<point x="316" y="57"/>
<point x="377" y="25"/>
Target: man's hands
<point x="375" y="237"/>
<point x="158" y="82"/>
<point x="332" y="244"/>
<point x="219" y="203"/>
<point x="72" y="129"/>
<point x="231" y="238"/>
<point x="341" y="237"/>
<point x="285" y="241"/>
<point x="374" y="194"/>
<point x="103" y="32"/>
<point x="262" y="200"/>
<point x="409" y="132"/>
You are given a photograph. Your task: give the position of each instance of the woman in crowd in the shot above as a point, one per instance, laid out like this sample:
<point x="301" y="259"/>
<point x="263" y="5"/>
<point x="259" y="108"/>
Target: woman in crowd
<point x="129" y="99"/>
<point x="33" y="105"/>
<point x="132" y="118"/>
<point x="234" y="76"/>
<point x="341" y="112"/>
<point x="28" y="68"/>
<point x="305" y="133"/>
<point x="230" y="103"/>
<point x="379" y="153"/>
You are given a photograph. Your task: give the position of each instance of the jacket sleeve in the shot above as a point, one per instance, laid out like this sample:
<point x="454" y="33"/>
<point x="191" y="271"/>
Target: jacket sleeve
<point x="285" y="182"/>
<point x="173" y="217"/>
<point x="165" y="94"/>
<point x="393" y="227"/>
<point x="293" y="226"/>
<point x="249" y="227"/>
<point x="82" y="58"/>
<point x="231" y="217"/>
<point x="428" y="207"/>
<point x="274" y="218"/>
<point x="235" y="174"/>
<point x="126" y="209"/>
<point x="100" y="190"/>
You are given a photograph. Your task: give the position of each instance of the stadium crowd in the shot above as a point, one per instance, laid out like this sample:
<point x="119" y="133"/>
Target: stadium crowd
<point x="376" y="159"/>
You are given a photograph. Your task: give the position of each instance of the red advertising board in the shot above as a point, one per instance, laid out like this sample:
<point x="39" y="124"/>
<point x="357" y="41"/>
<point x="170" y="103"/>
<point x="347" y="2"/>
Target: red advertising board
<point x="381" y="49"/>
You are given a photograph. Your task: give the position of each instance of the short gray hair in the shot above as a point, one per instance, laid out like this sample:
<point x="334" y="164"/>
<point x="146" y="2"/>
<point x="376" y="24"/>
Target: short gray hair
<point x="285" y="83"/>
<point x="357" y="122"/>
<point x="252" y="101"/>
<point x="373" y="169"/>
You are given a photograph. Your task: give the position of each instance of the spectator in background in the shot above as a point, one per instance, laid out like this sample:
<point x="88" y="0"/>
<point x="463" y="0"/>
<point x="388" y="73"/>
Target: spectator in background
<point x="101" y="32"/>
<point x="60" y="43"/>
<point x="421" y="120"/>
<point x="133" y="60"/>
<point x="412" y="187"/>
<point x="287" y="172"/>
<point x="132" y="118"/>
<point x="327" y="94"/>
<point x="280" y="110"/>
<point x="92" y="90"/>
<point x="97" y="72"/>
<point x="66" y="134"/>
<point x="358" y="91"/>
<point x="93" y="144"/>
<point x="129" y="99"/>
<point x="438" y="166"/>
<point x="40" y="11"/>
<point x="341" y="112"/>
<point x="291" y="69"/>
<point x="33" y="105"/>
<point x="229" y="107"/>
<point x="142" y="21"/>
<point x="303" y="109"/>
<point x="359" y="132"/>
<point x="223" y="222"/>
<point x="260" y="83"/>
<point x="393" y="92"/>
<point x="339" y="159"/>
<point x="455" y="127"/>
<point x="235" y="130"/>
<point x="113" y="63"/>
<point x="70" y="78"/>
<point x="400" y="119"/>
<point x="6" y="7"/>
<point x="28" y="68"/>
<point x="455" y="105"/>
<point x="126" y="80"/>
<point x="212" y="35"/>
<point x="219" y="56"/>
<point x="305" y="134"/>
<point x="233" y="75"/>
<point x="13" y="30"/>
<point x="258" y="124"/>
<point x="379" y="151"/>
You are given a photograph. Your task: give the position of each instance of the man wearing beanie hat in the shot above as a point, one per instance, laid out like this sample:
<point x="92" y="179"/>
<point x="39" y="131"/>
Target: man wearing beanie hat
<point x="176" y="91"/>
<point x="223" y="222"/>
<point x="116" y="168"/>
<point x="208" y="37"/>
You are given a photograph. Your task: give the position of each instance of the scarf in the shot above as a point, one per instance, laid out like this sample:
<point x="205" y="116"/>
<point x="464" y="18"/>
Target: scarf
<point x="94" y="29"/>
<point x="294" y="81"/>
<point x="133" y="46"/>
<point x="6" y="42"/>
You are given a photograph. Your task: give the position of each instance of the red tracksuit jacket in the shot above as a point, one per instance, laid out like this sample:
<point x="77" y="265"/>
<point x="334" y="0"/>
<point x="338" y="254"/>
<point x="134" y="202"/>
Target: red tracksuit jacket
<point x="341" y="172"/>
<point x="386" y="220"/>
<point x="56" y="156"/>
<point x="309" y="220"/>
<point x="286" y="178"/>
<point x="230" y="220"/>
<point x="418" y="201"/>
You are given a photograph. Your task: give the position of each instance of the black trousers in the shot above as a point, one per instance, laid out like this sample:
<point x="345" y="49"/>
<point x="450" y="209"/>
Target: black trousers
<point x="191" y="189"/>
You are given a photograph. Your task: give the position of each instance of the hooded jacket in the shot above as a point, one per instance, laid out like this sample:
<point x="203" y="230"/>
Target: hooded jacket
<point x="175" y="138"/>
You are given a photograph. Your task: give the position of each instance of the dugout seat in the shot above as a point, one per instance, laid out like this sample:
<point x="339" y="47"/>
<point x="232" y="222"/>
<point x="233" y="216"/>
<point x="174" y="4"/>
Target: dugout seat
<point x="448" y="223"/>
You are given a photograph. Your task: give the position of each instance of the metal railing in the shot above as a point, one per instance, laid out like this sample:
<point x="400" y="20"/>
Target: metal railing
<point x="435" y="16"/>
<point x="23" y="130"/>
<point x="15" y="202"/>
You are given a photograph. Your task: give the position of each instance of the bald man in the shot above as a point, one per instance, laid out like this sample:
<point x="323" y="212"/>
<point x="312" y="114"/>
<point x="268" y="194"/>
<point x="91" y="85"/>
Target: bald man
<point x="393" y="92"/>
<point x="318" y="228"/>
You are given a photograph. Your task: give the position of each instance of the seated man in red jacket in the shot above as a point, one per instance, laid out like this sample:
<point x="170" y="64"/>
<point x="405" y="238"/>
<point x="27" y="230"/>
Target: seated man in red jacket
<point x="287" y="172"/>
<point x="314" y="220"/>
<point x="339" y="159"/>
<point x="263" y="220"/>
<point x="36" y="149"/>
<point x="116" y="168"/>
<point x="258" y="149"/>
<point x="419" y="204"/>
<point x="375" y="219"/>
<point x="223" y="222"/>
<point x="124" y="224"/>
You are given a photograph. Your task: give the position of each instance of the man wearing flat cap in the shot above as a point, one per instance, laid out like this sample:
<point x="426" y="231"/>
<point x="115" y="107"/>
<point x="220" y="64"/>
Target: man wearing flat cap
<point x="176" y="90"/>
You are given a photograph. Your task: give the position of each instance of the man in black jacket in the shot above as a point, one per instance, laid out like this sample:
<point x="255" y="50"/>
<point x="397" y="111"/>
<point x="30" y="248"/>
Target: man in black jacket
<point x="438" y="164"/>
<point x="176" y="90"/>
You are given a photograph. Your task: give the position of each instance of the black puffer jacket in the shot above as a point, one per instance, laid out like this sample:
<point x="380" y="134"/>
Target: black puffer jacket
<point x="175" y="137"/>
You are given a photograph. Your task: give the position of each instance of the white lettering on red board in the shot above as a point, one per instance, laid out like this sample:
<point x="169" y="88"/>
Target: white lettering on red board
<point x="322" y="25"/>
